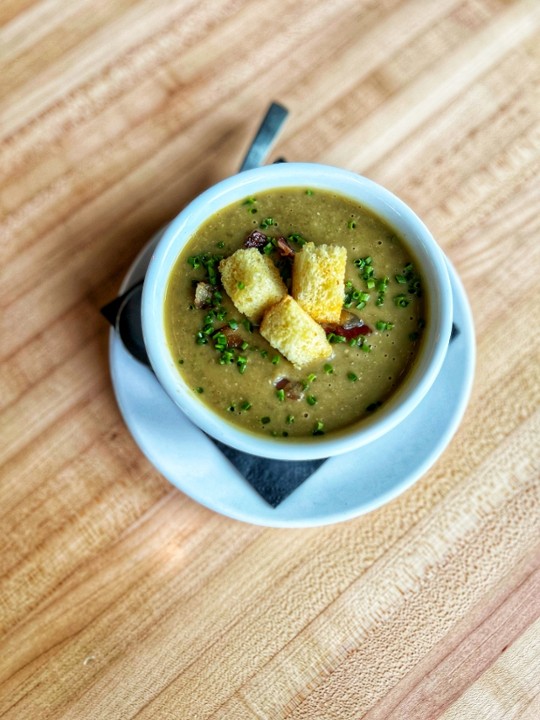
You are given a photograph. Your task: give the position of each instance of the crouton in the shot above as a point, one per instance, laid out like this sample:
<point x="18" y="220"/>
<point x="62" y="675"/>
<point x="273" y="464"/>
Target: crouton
<point x="252" y="281"/>
<point x="294" y="333"/>
<point x="318" y="281"/>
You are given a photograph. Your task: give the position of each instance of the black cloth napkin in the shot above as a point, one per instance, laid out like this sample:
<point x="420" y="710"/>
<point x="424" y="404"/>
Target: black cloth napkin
<point x="274" y="480"/>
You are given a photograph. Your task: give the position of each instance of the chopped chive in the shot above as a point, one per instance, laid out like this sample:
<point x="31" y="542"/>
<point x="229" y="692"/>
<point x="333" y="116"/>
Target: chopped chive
<point x="401" y="279"/>
<point x="275" y="360"/>
<point x="401" y="301"/>
<point x="295" y="237"/>
<point x="267" y="222"/>
<point x="290" y="419"/>
<point x="180" y="362"/>
<point x="311" y="400"/>
<point x="285" y="433"/>
<point x="365" y="347"/>
<point x="309" y="192"/>
<point x="241" y="363"/>
<point x="319" y="428"/>
<point x="246" y="405"/>
<point x="280" y="394"/>
<point x="240" y="285"/>
<point x="311" y="378"/>
<point x="351" y="224"/>
<point x="233" y="324"/>
<point x="370" y="283"/>
<point x="247" y="324"/>
<point x="249" y="201"/>
<point x="220" y="244"/>
<point x="328" y="369"/>
<point x="265" y="420"/>
<point x="384" y="325"/>
<point x="264" y="353"/>
<point x="333" y="338"/>
<point x="253" y="210"/>
<point x="200" y="390"/>
<point x="244" y="345"/>
<point x="352" y="377"/>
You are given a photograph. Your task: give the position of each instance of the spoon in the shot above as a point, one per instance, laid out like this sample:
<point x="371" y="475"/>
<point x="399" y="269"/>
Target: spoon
<point x="124" y="312"/>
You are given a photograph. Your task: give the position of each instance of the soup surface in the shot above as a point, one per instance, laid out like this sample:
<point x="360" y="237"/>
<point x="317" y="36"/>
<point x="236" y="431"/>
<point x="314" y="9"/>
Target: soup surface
<point x="224" y="358"/>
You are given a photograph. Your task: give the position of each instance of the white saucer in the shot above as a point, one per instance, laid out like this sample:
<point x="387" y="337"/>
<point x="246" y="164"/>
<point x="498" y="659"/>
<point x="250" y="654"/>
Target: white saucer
<point x="343" y="487"/>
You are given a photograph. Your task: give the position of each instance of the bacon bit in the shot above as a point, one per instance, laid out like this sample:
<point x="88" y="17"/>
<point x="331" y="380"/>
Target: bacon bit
<point x="347" y="332"/>
<point x="203" y="295"/>
<point x="284" y="247"/>
<point x="256" y="239"/>
<point x="234" y="339"/>
<point x="293" y="390"/>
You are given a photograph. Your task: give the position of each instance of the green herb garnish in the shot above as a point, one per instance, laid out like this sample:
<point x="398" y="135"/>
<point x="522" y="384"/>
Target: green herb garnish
<point x="401" y="300"/>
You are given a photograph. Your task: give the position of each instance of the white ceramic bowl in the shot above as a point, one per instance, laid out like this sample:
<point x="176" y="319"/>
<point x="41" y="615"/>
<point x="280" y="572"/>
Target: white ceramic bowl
<point x="429" y="259"/>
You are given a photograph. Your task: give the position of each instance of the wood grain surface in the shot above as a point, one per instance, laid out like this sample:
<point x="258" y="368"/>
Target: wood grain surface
<point x="119" y="596"/>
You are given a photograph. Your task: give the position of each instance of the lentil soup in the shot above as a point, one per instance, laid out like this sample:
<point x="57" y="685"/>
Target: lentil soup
<point x="224" y="358"/>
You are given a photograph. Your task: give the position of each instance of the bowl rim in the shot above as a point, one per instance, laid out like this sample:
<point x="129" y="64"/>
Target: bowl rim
<point x="317" y="176"/>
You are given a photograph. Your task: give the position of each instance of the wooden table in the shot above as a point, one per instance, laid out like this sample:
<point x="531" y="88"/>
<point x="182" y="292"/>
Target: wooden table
<point x="120" y="597"/>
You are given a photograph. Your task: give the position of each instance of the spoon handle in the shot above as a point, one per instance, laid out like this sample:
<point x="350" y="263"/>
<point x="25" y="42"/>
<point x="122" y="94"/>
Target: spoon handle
<point x="265" y="137"/>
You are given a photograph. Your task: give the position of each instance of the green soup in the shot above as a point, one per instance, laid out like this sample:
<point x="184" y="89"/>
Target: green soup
<point x="247" y="381"/>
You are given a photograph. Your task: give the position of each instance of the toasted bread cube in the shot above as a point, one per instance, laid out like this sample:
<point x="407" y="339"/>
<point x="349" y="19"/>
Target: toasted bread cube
<point x="252" y="281"/>
<point x="294" y="333"/>
<point x="318" y="282"/>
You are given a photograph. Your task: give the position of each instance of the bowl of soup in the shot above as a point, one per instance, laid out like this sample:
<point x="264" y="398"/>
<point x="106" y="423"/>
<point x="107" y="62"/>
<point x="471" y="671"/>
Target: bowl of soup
<point x="297" y="311"/>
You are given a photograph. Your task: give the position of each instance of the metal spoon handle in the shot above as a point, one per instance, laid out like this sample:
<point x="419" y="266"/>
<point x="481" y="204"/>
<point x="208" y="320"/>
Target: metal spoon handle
<point x="265" y="137"/>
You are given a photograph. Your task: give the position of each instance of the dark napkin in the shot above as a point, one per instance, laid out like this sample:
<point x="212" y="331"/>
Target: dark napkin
<point x="274" y="480"/>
